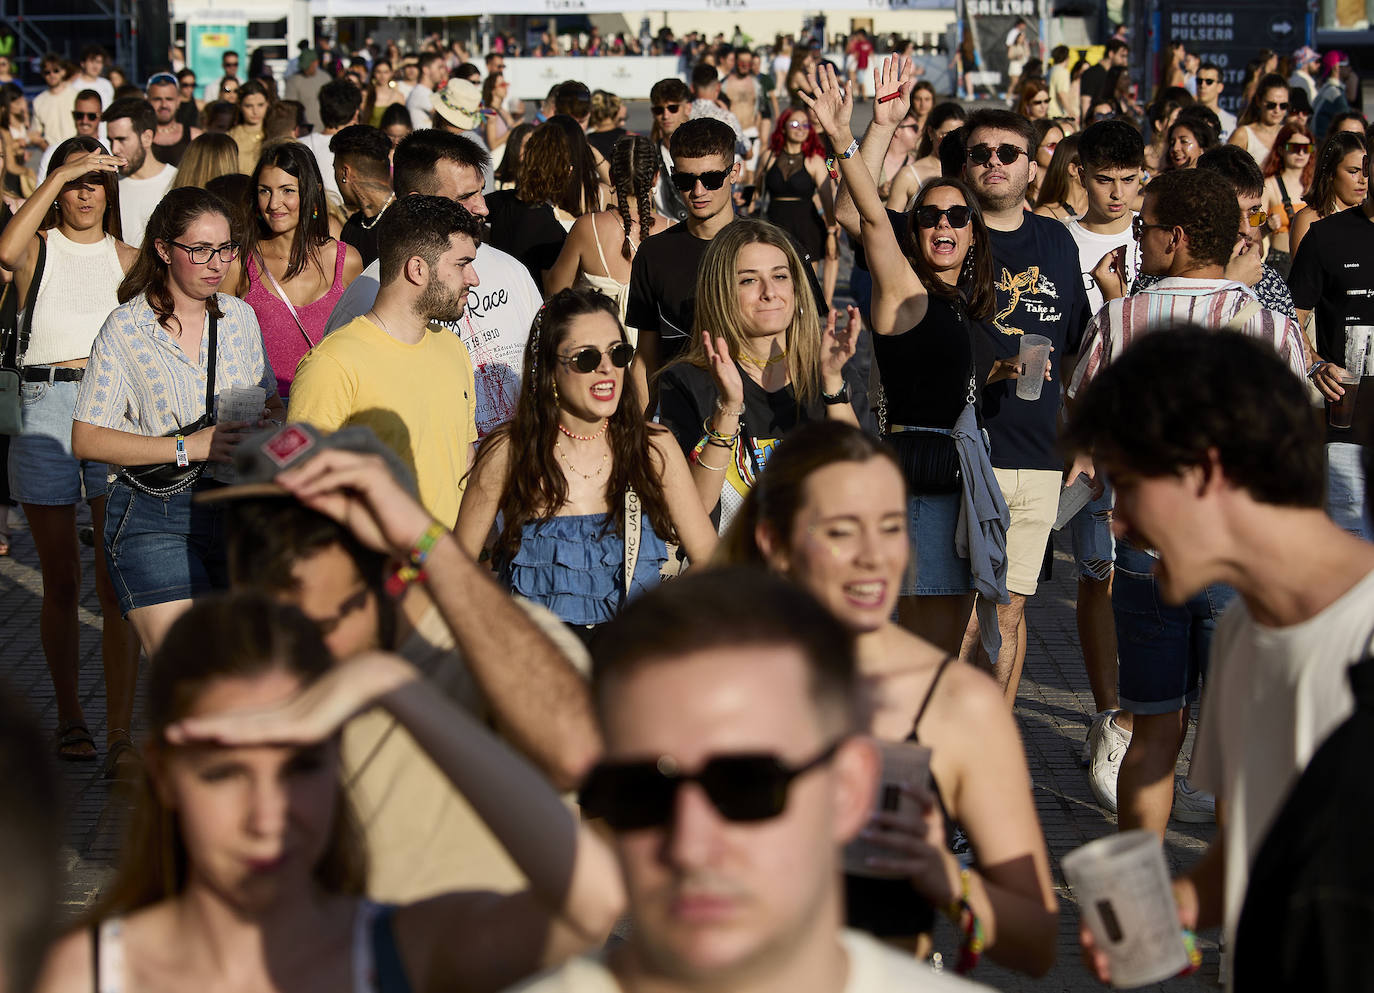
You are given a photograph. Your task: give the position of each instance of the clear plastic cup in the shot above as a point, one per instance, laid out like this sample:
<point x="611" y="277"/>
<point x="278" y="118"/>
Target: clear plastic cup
<point x="1034" y="358"/>
<point x="1124" y="895"/>
<point x="1072" y="499"/>
<point x="1341" y="413"/>
<point x="904" y="763"/>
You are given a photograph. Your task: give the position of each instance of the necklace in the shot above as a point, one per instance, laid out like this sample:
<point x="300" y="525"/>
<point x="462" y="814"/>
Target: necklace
<point x="750" y="360"/>
<point x="586" y="437"/>
<point x="368" y="225"/>
<point x="558" y="447"/>
<point x="381" y="322"/>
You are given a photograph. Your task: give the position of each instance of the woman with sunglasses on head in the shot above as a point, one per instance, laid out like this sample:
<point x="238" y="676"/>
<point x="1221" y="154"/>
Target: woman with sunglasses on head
<point x="71" y="223"/>
<point x="144" y="408"/>
<point x="578" y="485"/>
<point x="1258" y="127"/>
<point x="1287" y="175"/>
<point x="927" y="293"/>
<point x="830" y="513"/>
<point x="245" y="852"/>
<point x="801" y="198"/>
<point x="944" y="119"/>
<point x="1339" y="181"/>
<point x="293" y="268"/>
<point x="759" y="364"/>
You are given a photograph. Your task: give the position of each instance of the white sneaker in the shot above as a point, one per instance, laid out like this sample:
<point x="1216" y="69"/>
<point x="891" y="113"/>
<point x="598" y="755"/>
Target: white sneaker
<point x="1193" y="806"/>
<point x="1108" y="743"/>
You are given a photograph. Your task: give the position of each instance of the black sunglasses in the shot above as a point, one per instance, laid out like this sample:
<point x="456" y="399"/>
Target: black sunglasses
<point x="587" y="359"/>
<point x="1207" y="82"/>
<point x="687" y="181"/>
<point x="632" y="796"/>
<point x="1006" y="154"/>
<point x="928" y="216"/>
<point x="666" y="108"/>
<point x="1271" y="105"/>
<point x="82" y="115"/>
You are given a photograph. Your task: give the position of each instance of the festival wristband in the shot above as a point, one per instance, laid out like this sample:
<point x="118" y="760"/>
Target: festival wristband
<point x="183" y="460"/>
<point x="852" y="150"/>
<point x="425" y="543"/>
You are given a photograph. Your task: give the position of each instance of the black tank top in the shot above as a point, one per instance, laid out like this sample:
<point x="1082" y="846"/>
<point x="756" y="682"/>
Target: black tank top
<point x="172" y="154"/>
<point x="799" y="184"/>
<point x="891" y="908"/>
<point x="925" y="370"/>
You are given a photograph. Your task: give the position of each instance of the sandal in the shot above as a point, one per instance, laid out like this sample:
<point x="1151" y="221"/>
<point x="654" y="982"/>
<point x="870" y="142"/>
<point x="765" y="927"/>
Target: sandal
<point x="72" y="739"/>
<point x="4" y="543"/>
<point x="121" y="761"/>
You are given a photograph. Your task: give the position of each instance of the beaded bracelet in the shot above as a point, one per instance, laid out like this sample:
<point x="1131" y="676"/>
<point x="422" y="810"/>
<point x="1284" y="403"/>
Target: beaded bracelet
<point x="961" y="912"/>
<point x="713" y="435"/>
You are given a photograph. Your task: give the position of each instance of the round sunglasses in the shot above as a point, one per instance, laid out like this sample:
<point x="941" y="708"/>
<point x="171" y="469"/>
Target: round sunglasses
<point x="588" y="359"/>
<point x="1006" y="154"/>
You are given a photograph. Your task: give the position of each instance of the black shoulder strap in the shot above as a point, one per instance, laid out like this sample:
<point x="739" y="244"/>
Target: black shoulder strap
<point x="930" y="693"/>
<point x="95" y="958"/>
<point x="210" y="368"/>
<point x="1283" y="194"/>
<point x="26" y="325"/>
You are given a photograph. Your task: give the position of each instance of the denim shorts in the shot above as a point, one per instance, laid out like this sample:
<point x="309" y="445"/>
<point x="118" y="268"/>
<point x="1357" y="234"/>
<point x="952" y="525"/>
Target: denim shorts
<point x="935" y="568"/>
<point x="1345" y="490"/>
<point x="1162" y="648"/>
<point x="1090" y="532"/>
<point x="163" y="550"/>
<point x="42" y="468"/>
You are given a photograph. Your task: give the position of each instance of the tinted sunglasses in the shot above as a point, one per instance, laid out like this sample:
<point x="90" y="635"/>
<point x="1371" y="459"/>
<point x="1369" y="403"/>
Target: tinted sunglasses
<point x="1298" y="148"/>
<point x="929" y="216"/>
<point x="799" y="124"/>
<point x="82" y="115"/>
<point x="587" y="359"/>
<point x="687" y="181"/>
<point x="1207" y="82"/>
<point x="666" y="108"/>
<point x="1271" y="105"/>
<point x="1006" y="154"/>
<point x="632" y="796"/>
<point x="1257" y="216"/>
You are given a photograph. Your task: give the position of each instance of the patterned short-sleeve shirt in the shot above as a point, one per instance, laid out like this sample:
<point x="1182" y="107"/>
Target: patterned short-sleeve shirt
<point x="139" y="380"/>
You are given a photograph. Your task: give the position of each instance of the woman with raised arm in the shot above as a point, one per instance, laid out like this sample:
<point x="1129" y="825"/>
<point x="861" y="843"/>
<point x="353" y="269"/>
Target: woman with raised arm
<point x="829" y="512"/>
<point x="71" y="223"/>
<point x="584" y="494"/>
<point x="245" y="854"/>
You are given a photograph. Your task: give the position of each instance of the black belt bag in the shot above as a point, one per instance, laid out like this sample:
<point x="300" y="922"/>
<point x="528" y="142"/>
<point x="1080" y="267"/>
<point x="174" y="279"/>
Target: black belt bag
<point x="164" y="479"/>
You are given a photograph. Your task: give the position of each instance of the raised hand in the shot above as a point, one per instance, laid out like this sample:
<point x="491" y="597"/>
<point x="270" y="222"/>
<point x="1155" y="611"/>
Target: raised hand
<point x="729" y="386"/>
<point x="833" y="101"/>
<point x="837" y="347"/>
<point x="894" y="74"/>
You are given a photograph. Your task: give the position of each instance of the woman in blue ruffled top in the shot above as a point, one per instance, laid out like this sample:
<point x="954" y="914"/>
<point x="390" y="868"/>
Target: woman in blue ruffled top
<point x="578" y="471"/>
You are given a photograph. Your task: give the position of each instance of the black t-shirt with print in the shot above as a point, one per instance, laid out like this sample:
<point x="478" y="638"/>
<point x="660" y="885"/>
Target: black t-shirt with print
<point x="1333" y="275"/>
<point x="1039" y="291"/>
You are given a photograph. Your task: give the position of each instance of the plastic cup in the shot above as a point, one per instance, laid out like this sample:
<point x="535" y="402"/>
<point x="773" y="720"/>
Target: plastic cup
<point x="1357" y="348"/>
<point x="242" y="403"/>
<point x="1072" y="499"/>
<point x="1035" y="357"/>
<point x="1341" y="413"/>
<point x="904" y="763"/>
<point x="1122" y="886"/>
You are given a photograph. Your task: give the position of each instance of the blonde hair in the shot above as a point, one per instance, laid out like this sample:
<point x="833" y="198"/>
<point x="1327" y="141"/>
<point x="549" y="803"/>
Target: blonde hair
<point x="605" y="107"/>
<point x="207" y="157"/>
<point x="718" y="311"/>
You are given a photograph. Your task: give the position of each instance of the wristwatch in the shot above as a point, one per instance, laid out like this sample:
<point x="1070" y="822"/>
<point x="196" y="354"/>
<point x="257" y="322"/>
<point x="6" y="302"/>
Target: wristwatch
<point x="835" y="399"/>
<point x="1312" y="369"/>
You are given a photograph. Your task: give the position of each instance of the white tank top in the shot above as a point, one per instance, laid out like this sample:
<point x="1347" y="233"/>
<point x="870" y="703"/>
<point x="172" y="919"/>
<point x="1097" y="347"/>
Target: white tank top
<point x="76" y="295"/>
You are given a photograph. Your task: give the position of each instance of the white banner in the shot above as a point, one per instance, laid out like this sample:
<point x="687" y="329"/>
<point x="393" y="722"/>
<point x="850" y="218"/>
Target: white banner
<point x="472" y="8"/>
<point x="627" y="76"/>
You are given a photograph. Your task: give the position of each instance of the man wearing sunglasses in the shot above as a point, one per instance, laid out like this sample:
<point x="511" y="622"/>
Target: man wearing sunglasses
<point x="389" y="370"/>
<point x="229" y="62"/>
<point x="1039" y="289"/>
<point x="52" y="109"/>
<point x="1209" y="87"/>
<point x="732" y="777"/>
<point x="171" y="138"/>
<point x="670" y="102"/>
<point x="85" y="120"/>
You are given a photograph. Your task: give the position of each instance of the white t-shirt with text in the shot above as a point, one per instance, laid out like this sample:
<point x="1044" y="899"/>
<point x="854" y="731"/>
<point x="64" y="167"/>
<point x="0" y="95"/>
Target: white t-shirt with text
<point x="1091" y="248"/>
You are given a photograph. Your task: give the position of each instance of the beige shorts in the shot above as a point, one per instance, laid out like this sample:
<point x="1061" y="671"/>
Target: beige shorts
<point x="1032" y="497"/>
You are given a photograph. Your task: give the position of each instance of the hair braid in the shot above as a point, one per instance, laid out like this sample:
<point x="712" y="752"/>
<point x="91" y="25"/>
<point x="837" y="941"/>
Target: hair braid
<point x="622" y="156"/>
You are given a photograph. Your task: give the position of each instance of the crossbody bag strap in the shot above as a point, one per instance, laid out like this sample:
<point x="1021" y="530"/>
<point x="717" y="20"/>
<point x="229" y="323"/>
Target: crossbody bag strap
<point x="1243" y="316"/>
<point x="26" y="325"/>
<point x="632" y="535"/>
<point x="1283" y="195"/>
<point x="210" y="367"/>
<point x="262" y="265"/>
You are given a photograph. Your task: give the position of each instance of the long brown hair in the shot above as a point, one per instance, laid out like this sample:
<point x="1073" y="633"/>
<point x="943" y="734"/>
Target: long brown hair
<point x="1321" y="195"/>
<point x="312" y="221"/>
<point x="634" y="164"/>
<point x="175" y="212"/>
<point x="535" y="488"/>
<point x="234" y="636"/>
<point x="779" y="492"/>
<point x="975" y="287"/>
<point x="110" y="222"/>
<point x="582" y="194"/>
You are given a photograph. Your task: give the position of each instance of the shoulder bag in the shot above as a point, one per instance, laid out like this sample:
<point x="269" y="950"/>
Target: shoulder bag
<point x="12" y="359"/>
<point x="164" y="479"/>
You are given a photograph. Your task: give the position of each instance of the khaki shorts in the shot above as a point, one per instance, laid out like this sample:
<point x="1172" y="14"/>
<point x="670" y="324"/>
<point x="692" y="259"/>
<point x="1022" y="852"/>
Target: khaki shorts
<point x="1032" y="497"/>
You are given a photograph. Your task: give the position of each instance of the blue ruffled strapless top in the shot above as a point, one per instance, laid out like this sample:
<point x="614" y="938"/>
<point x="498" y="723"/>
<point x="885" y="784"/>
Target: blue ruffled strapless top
<point x="569" y="566"/>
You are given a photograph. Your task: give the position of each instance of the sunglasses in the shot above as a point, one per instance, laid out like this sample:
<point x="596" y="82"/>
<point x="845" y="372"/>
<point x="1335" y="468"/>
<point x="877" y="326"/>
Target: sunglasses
<point x="587" y="359"/>
<point x="1298" y="148"/>
<point x="54" y="71"/>
<point x="1040" y="103"/>
<point x="632" y="796"/>
<point x="799" y="124"/>
<point x="1207" y="82"/>
<point x="1257" y="216"/>
<point x="1271" y="105"/>
<point x="1006" y="154"/>
<point x="666" y="108"/>
<point x="929" y="216"/>
<point x="82" y="115"/>
<point x="687" y="181"/>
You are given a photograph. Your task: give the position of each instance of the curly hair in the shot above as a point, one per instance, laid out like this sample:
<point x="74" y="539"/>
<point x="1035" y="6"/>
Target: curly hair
<point x="545" y="163"/>
<point x="1203" y="204"/>
<point x="634" y="164"/>
<point x="811" y="146"/>
<point x="535" y="488"/>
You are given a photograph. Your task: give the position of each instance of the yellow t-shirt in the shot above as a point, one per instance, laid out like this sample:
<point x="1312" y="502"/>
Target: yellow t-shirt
<point x="419" y="399"/>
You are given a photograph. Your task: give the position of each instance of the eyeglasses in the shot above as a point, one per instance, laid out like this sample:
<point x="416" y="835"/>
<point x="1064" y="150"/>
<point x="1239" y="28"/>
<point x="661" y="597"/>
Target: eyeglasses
<point x="1006" y="154"/>
<point x="1139" y="227"/>
<point x="799" y="124"/>
<point x="687" y="181"/>
<point x="1271" y="105"/>
<point x="928" y="216"/>
<point x="82" y="115"/>
<point x="666" y="108"/>
<point x="587" y="359"/>
<point x="632" y="796"/>
<point x="1257" y="216"/>
<point x="161" y="79"/>
<point x="1207" y="82"/>
<point x="200" y="254"/>
<point x="1298" y="148"/>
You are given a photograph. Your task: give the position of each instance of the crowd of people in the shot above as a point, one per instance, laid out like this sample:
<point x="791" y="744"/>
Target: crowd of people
<point x="441" y="462"/>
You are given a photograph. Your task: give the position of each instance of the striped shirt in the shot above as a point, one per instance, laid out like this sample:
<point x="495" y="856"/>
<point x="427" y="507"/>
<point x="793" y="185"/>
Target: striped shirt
<point x="1206" y="303"/>
<point x="139" y="380"/>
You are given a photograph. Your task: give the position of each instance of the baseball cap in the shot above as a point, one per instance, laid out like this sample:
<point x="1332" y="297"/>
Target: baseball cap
<point x="260" y="457"/>
<point x="1333" y="60"/>
<point x="1305" y="55"/>
<point x="307" y="56"/>
<point x="459" y="103"/>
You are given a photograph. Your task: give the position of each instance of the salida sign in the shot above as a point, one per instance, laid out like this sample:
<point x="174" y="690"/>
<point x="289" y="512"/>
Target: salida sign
<point x="1230" y="35"/>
